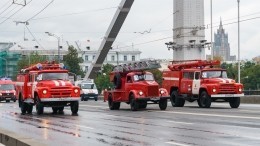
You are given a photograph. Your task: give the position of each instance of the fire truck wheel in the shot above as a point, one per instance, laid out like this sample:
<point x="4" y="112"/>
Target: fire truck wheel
<point x="54" y="110"/>
<point x="74" y="107"/>
<point x="133" y="103"/>
<point x="117" y="81"/>
<point x="23" y="107"/>
<point x="143" y="104"/>
<point x="113" y="105"/>
<point x="29" y="109"/>
<point x="234" y="102"/>
<point x="7" y="100"/>
<point x="163" y="104"/>
<point x="61" y="109"/>
<point x="39" y="106"/>
<point x="204" y="100"/>
<point x="176" y="101"/>
<point x="14" y="100"/>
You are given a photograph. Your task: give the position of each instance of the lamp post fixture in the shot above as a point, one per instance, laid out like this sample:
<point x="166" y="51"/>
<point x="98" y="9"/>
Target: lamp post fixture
<point x="170" y="45"/>
<point x="5" y="66"/>
<point x="58" y="38"/>
<point x="238" y="1"/>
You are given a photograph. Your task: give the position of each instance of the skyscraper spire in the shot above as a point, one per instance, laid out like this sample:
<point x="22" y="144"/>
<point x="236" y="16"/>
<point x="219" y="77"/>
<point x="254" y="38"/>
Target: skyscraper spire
<point x="220" y="25"/>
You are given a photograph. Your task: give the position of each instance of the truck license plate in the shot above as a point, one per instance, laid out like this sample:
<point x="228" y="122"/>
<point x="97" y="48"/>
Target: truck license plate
<point x="229" y="95"/>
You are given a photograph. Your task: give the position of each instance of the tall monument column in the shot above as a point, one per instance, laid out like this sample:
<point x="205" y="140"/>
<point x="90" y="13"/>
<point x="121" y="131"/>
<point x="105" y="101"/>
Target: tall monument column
<point x="189" y="30"/>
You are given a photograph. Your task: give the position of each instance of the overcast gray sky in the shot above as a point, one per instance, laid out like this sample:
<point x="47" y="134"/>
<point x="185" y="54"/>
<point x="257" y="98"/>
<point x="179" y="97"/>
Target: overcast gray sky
<point x="82" y="20"/>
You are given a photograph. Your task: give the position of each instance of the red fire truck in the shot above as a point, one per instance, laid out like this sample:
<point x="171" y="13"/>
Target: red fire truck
<point x="135" y="86"/>
<point x="46" y="85"/>
<point x="197" y="80"/>
<point x="7" y="90"/>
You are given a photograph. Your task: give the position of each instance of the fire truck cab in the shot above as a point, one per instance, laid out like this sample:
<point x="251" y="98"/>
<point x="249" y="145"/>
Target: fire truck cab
<point x="135" y="86"/>
<point x="7" y="90"/>
<point x="46" y="85"/>
<point x="197" y="80"/>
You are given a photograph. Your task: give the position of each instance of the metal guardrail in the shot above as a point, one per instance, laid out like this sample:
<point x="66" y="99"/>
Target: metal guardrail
<point x="252" y="92"/>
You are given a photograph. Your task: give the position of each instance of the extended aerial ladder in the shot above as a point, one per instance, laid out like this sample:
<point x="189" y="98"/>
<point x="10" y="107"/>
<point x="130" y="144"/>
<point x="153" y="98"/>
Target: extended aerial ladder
<point x="178" y="65"/>
<point x="137" y="66"/>
<point x="110" y="37"/>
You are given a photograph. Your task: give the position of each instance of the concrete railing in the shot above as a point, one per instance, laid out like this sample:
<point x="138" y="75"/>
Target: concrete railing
<point x="8" y="138"/>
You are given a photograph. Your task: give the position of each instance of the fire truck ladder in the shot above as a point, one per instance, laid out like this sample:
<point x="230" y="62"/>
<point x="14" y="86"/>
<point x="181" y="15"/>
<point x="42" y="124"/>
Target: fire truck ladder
<point x="178" y="65"/>
<point x="110" y="37"/>
<point x="137" y="66"/>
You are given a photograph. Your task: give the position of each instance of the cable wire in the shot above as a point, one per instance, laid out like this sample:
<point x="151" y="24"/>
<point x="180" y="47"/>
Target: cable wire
<point x="34" y="37"/>
<point x="40" y="11"/>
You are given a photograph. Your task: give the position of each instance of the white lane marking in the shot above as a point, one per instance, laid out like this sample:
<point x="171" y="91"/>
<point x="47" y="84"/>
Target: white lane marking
<point x="210" y="115"/>
<point x="85" y="127"/>
<point x="177" y="144"/>
<point x="95" y="106"/>
<point x="180" y="122"/>
<point x="249" y="111"/>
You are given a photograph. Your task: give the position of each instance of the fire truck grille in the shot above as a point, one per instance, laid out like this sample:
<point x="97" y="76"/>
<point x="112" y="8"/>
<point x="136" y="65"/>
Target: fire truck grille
<point x="153" y="90"/>
<point x="7" y="94"/>
<point x="60" y="92"/>
<point x="227" y="88"/>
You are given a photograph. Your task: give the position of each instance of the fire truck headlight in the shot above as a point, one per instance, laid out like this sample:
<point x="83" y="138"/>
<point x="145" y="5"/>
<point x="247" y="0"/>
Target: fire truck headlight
<point x="76" y="90"/>
<point x="240" y="89"/>
<point x="141" y="93"/>
<point x="0" y="94"/>
<point x="162" y="92"/>
<point x="214" y="90"/>
<point x="44" y="91"/>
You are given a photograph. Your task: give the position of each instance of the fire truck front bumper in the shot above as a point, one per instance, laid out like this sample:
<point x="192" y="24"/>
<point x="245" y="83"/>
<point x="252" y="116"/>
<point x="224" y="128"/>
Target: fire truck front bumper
<point x="152" y="98"/>
<point x="226" y="95"/>
<point x="60" y="99"/>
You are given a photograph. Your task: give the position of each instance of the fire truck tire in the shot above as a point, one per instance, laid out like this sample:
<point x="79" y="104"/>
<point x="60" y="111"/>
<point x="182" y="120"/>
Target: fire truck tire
<point x="113" y="105"/>
<point x="14" y="100"/>
<point x="143" y="104"/>
<point x="117" y="81"/>
<point x="54" y="110"/>
<point x="133" y="103"/>
<point x="7" y="101"/>
<point x="176" y="101"/>
<point x="163" y="104"/>
<point x="204" y="100"/>
<point x="29" y="109"/>
<point x="61" y="109"/>
<point x="74" y="107"/>
<point x="234" y="102"/>
<point x="23" y="107"/>
<point x="39" y="106"/>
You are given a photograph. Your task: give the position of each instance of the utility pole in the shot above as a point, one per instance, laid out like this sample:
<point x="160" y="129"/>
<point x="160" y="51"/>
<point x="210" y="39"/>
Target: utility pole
<point x="212" y="51"/>
<point x="58" y="38"/>
<point x="238" y="1"/>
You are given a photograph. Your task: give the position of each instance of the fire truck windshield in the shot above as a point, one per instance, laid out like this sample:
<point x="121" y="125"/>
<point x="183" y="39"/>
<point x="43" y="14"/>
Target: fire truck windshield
<point x="6" y="87"/>
<point x="214" y="74"/>
<point x="53" y="76"/>
<point x="143" y="77"/>
<point x="88" y="86"/>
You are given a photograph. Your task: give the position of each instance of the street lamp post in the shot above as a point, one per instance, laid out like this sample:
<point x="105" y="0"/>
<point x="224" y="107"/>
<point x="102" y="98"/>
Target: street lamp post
<point x="5" y="66"/>
<point x="58" y="38"/>
<point x="238" y="1"/>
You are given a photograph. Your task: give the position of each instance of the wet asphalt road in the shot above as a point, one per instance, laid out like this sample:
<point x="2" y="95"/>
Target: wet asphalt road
<point x="95" y="124"/>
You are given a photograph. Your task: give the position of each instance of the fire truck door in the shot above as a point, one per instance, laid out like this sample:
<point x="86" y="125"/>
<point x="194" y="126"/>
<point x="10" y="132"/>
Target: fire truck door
<point x="196" y="83"/>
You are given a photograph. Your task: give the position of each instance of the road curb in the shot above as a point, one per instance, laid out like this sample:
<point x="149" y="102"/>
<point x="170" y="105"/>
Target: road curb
<point x="9" y="138"/>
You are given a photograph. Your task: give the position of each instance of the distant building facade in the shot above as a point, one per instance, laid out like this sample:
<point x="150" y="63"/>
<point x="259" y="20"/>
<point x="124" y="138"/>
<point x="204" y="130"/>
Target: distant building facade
<point x="221" y="47"/>
<point x="189" y="30"/>
<point x="11" y="54"/>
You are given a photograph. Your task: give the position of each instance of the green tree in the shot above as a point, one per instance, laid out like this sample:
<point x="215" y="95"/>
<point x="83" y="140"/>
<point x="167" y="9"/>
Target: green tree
<point x="157" y="75"/>
<point x="72" y="61"/>
<point x="29" y="60"/>
<point x="102" y="80"/>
